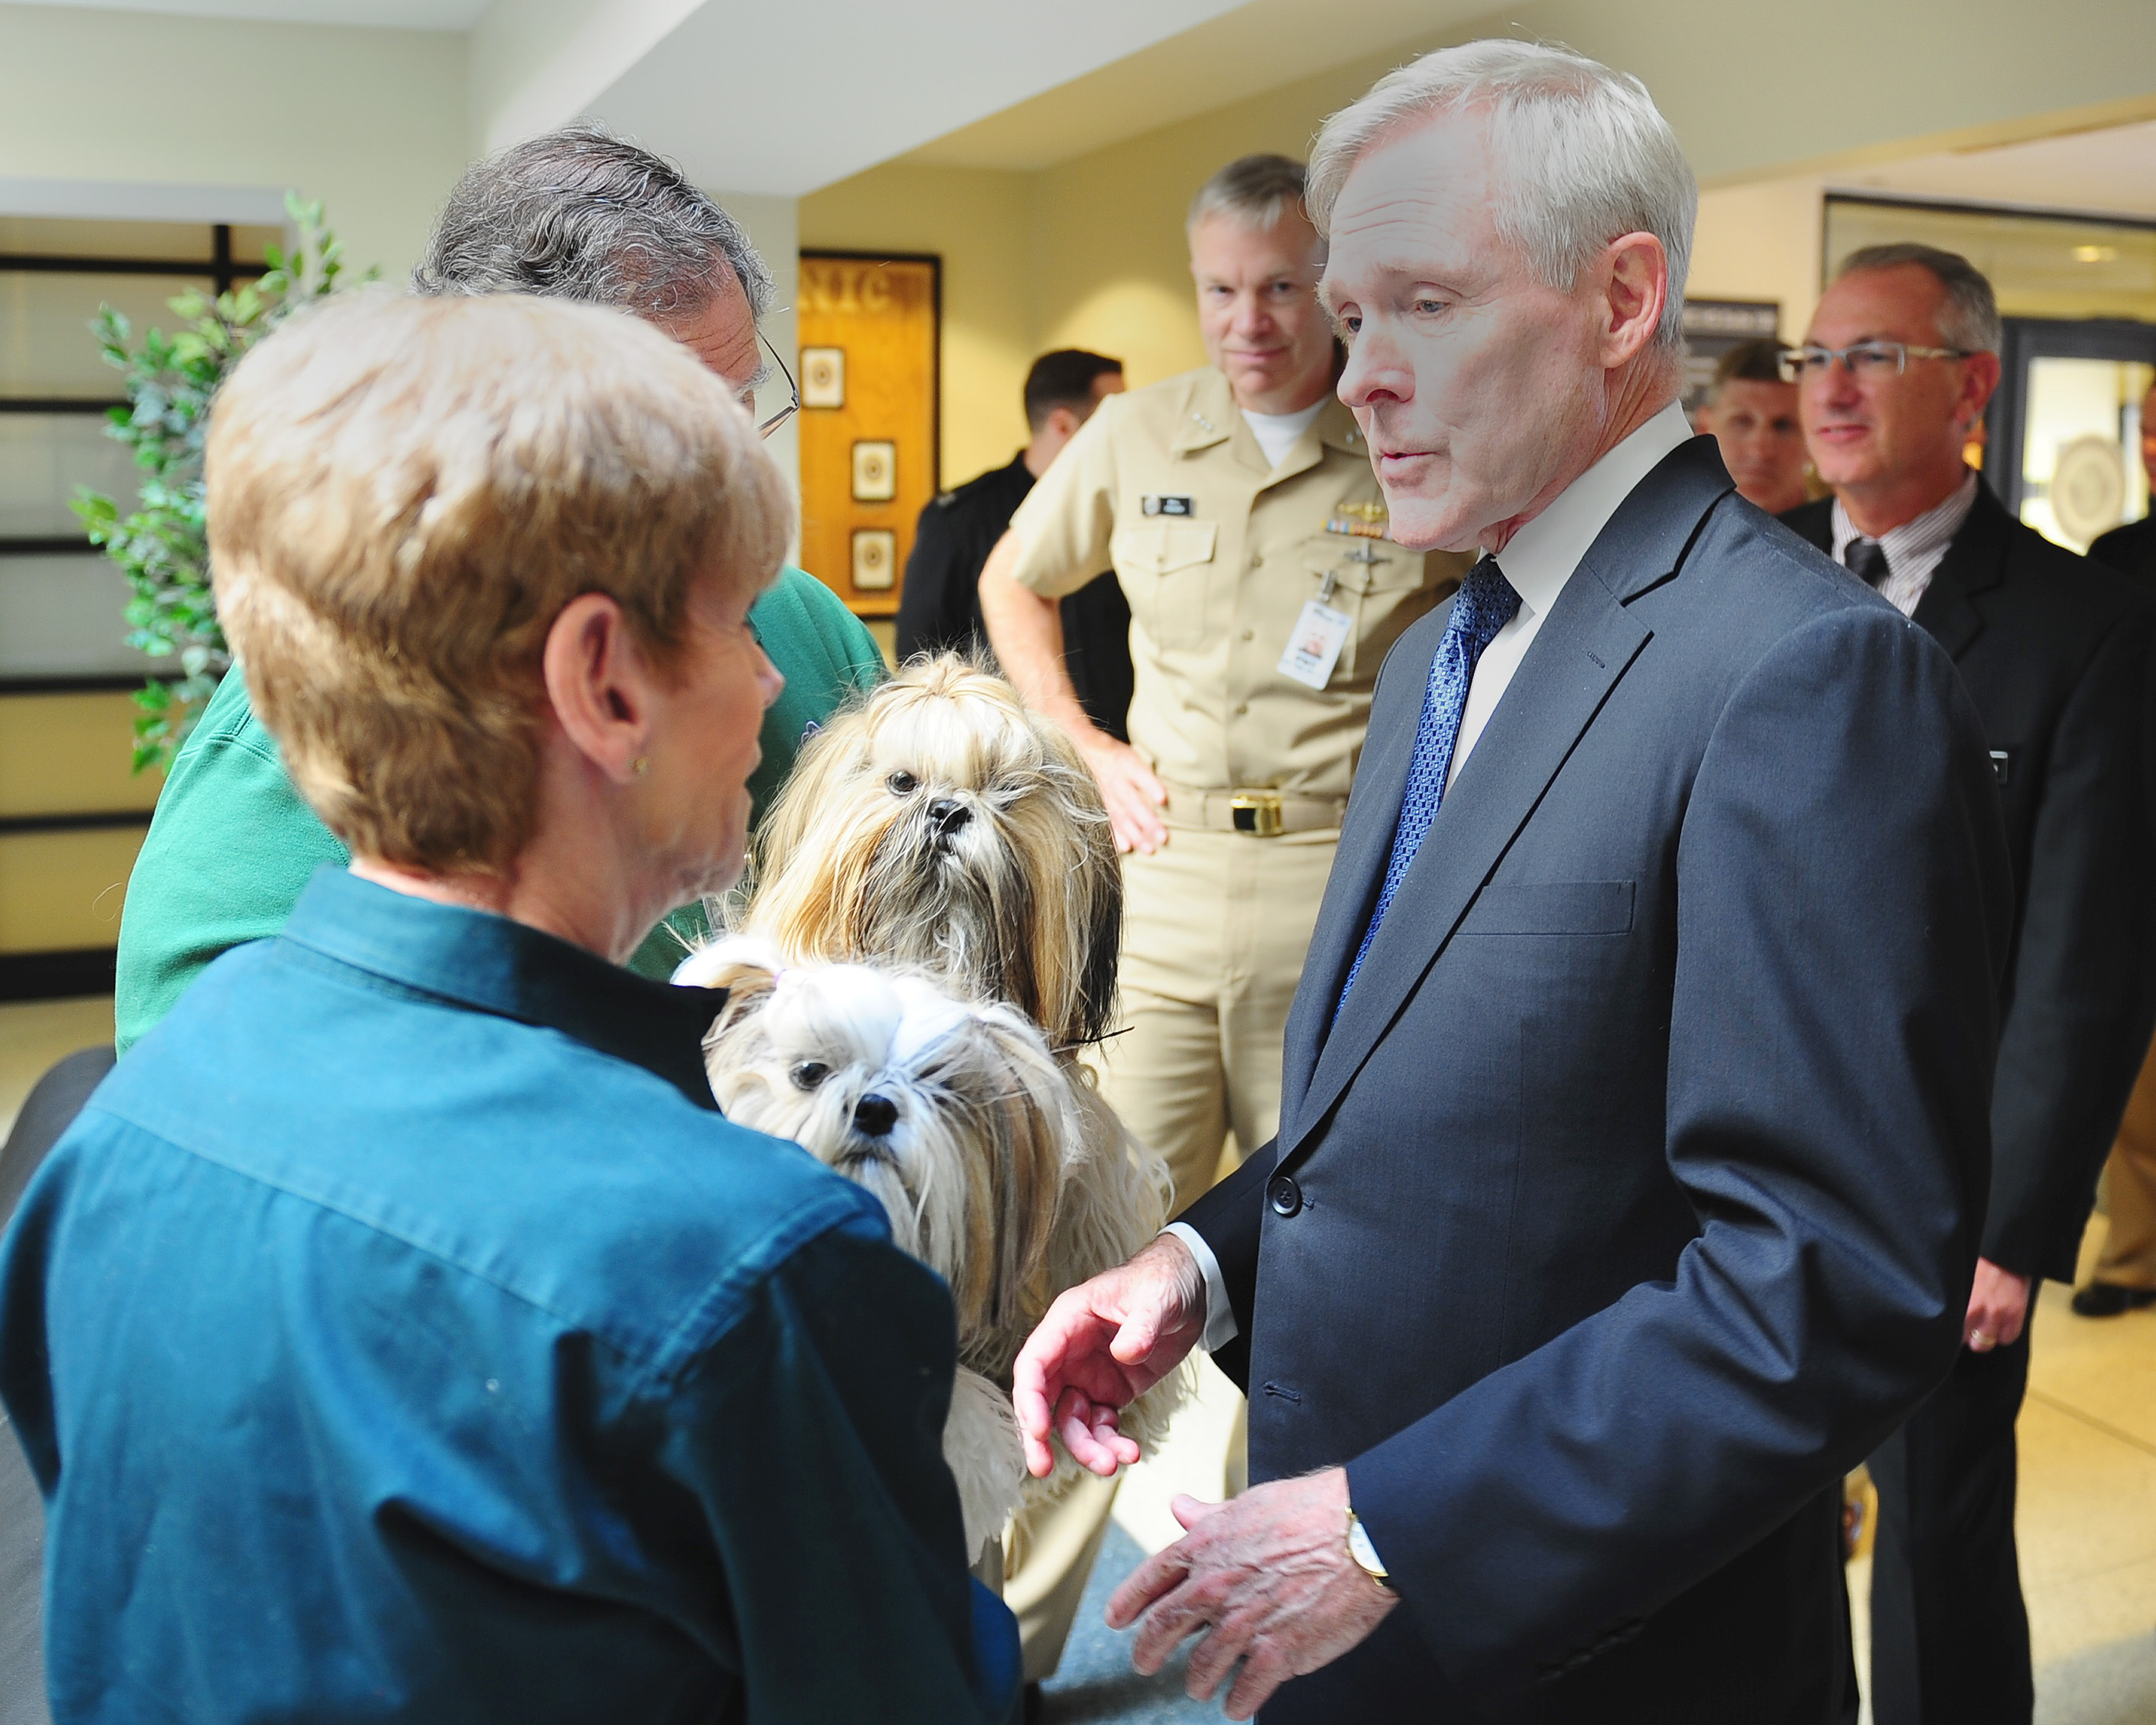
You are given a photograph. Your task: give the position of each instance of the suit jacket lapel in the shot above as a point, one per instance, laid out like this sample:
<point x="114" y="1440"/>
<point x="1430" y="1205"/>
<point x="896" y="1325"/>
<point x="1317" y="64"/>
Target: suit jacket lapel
<point x="1366" y="845"/>
<point x="1975" y="561"/>
<point x="1581" y="651"/>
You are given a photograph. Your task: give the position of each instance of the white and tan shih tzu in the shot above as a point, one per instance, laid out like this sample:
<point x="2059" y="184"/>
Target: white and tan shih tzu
<point x="942" y="824"/>
<point x="983" y="1147"/>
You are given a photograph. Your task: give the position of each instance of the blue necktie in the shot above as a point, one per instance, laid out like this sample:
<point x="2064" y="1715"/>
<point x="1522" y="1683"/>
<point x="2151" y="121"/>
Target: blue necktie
<point x="1485" y="603"/>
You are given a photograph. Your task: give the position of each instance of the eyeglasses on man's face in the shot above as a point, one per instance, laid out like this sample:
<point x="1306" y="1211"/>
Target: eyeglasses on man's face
<point x="777" y="399"/>
<point x="1865" y="360"/>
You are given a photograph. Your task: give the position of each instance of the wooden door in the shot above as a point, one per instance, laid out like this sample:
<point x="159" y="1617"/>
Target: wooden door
<point x="868" y="333"/>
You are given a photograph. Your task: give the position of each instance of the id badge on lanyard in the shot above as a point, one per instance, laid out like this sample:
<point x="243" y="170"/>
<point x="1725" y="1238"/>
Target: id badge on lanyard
<point x="1314" y="645"/>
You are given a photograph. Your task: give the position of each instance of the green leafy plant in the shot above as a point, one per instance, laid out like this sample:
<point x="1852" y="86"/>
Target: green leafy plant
<point x="163" y="542"/>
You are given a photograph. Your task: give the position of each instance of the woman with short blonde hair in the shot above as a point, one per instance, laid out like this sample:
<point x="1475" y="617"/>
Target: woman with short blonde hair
<point x="400" y="1329"/>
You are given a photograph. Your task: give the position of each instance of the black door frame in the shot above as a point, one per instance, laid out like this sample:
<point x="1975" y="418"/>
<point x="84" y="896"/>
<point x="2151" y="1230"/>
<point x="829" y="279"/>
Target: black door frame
<point x="2031" y="338"/>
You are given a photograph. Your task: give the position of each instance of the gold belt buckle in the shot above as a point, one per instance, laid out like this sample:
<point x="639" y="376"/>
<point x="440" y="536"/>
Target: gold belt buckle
<point x="1258" y="812"/>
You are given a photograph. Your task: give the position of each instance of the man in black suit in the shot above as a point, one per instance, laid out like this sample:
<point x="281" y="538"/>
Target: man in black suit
<point x="940" y="606"/>
<point x="1635" y="1122"/>
<point x="1902" y="354"/>
<point x="2124" y="1279"/>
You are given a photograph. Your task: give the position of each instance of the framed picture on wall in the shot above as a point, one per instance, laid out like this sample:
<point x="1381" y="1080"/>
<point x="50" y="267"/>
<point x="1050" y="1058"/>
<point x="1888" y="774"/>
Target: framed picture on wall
<point x="876" y="559"/>
<point x="876" y="470"/>
<point x="823" y="377"/>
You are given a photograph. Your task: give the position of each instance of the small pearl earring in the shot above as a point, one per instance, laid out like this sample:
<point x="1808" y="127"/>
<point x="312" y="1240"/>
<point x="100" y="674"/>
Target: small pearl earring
<point x="641" y="766"/>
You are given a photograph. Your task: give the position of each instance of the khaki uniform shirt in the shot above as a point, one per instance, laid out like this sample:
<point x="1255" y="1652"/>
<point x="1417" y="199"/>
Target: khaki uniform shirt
<point x="1217" y="556"/>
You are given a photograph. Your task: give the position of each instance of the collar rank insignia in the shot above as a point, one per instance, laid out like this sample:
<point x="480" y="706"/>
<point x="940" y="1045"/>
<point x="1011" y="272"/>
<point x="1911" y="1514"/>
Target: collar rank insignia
<point x="1359" y="520"/>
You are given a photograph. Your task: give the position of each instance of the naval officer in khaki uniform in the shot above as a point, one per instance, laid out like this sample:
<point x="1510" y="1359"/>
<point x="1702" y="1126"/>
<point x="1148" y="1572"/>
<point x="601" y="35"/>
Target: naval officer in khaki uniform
<point x="1237" y="506"/>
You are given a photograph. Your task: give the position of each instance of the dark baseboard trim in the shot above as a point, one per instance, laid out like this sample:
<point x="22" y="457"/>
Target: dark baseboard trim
<point x="57" y="976"/>
<point x="91" y="821"/>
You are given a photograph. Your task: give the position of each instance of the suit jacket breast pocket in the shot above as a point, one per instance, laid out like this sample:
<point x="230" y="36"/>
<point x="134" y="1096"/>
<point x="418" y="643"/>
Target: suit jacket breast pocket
<point x="1164" y="566"/>
<point x="1555" y="907"/>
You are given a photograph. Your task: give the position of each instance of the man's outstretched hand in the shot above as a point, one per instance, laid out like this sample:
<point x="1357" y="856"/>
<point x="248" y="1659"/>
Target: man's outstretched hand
<point x="1101" y="1345"/>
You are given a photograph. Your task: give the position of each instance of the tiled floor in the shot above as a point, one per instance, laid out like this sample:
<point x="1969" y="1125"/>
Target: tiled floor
<point x="2087" y="1525"/>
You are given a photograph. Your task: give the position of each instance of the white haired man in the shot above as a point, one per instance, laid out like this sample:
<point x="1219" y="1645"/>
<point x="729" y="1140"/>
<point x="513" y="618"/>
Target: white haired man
<point x="1237" y="507"/>
<point x="1635" y="1124"/>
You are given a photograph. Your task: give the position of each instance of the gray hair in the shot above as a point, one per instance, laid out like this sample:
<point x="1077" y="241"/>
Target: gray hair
<point x="581" y="214"/>
<point x="1255" y="190"/>
<point x="1582" y="154"/>
<point x="1969" y="317"/>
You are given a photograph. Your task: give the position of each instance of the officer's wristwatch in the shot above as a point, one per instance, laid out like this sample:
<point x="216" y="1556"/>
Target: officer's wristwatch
<point x="1364" y="1553"/>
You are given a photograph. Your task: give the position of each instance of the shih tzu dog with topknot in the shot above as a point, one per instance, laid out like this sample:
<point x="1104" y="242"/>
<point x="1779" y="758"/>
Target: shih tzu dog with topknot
<point x="941" y="824"/>
<point x="940" y="828"/>
<point x="960" y="1119"/>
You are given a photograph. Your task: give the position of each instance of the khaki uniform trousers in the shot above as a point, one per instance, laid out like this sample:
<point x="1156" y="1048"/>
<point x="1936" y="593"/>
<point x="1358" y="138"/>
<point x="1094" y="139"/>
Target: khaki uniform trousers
<point x="2129" y="1249"/>
<point x="1215" y="928"/>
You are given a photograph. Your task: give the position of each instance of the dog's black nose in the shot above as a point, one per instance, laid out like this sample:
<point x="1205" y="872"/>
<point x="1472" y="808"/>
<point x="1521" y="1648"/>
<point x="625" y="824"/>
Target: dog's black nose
<point x="876" y="1115"/>
<point x="947" y="814"/>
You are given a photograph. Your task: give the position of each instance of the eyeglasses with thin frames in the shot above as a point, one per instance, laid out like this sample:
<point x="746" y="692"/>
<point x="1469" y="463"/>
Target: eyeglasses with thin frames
<point x="1864" y="359"/>
<point x="765" y="427"/>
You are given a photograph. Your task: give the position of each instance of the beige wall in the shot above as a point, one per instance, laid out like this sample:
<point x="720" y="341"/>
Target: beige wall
<point x="1761" y="243"/>
<point x="371" y="121"/>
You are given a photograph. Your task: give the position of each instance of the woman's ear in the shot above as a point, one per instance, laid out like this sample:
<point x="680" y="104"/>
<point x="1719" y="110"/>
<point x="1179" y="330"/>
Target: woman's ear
<point x="600" y="684"/>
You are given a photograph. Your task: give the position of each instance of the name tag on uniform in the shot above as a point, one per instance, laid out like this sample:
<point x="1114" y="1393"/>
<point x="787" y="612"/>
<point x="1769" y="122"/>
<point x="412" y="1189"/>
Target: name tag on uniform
<point x="1313" y="649"/>
<point x="1167" y="505"/>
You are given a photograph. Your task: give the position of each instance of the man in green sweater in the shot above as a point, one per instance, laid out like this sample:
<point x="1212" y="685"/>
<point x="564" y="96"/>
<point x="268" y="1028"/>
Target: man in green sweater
<point x="575" y="214"/>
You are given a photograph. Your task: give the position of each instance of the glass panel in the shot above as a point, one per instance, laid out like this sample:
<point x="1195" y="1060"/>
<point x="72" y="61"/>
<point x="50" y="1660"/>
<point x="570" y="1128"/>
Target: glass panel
<point x="2039" y="266"/>
<point x="2081" y="456"/>
<point x="43" y="457"/>
<point x="65" y="617"/>
<point x="46" y="347"/>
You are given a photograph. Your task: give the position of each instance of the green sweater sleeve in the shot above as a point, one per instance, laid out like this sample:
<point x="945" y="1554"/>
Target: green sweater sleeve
<point x="230" y="848"/>
<point x="232" y="844"/>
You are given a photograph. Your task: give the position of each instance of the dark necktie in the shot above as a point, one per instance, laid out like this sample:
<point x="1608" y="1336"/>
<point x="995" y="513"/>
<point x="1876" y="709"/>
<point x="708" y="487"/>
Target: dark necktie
<point x="1486" y="605"/>
<point x="1866" y="560"/>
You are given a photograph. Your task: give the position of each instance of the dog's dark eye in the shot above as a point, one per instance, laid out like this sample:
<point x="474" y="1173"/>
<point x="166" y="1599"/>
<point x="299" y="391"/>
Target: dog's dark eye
<point x="903" y="784"/>
<point x="809" y="1074"/>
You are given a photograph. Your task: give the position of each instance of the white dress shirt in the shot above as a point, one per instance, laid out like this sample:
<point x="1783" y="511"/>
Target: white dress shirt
<point x="1538" y="560"/>
<point x="1915" y="549"/>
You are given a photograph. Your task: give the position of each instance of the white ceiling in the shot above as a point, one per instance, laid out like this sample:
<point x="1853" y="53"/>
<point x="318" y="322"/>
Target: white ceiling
<point x="782" y="99"/>
<point x="2110" y="171"/>
<point x="391" y="14"/>
<point x="1256" y="46"/>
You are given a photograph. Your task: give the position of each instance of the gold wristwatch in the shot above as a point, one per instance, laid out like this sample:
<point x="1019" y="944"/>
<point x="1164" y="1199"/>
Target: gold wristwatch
<point x="1364" y="1553"/>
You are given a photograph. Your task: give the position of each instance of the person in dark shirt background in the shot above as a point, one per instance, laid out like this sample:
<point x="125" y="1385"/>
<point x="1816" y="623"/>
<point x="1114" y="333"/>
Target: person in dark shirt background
<point x="940" y="608"/>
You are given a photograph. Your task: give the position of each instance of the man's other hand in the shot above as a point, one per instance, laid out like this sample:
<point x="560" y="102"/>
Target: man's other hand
<point x="1267" y="1577"/>
<point x="1998" y="1307"/>
<point x="1102" y="1344"/>
<point x="1134" y="796"/>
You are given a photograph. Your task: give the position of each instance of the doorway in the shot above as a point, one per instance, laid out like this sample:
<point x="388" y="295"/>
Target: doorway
<point x="2063" y="433"/>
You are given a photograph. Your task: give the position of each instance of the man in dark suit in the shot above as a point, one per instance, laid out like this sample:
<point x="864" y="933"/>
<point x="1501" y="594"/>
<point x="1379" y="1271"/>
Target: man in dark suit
<point x="2124" y="1278"/>
<point x="1902" y="357"/>
<point x="1636" y="1119"/>
<point x="940" y="608"/>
